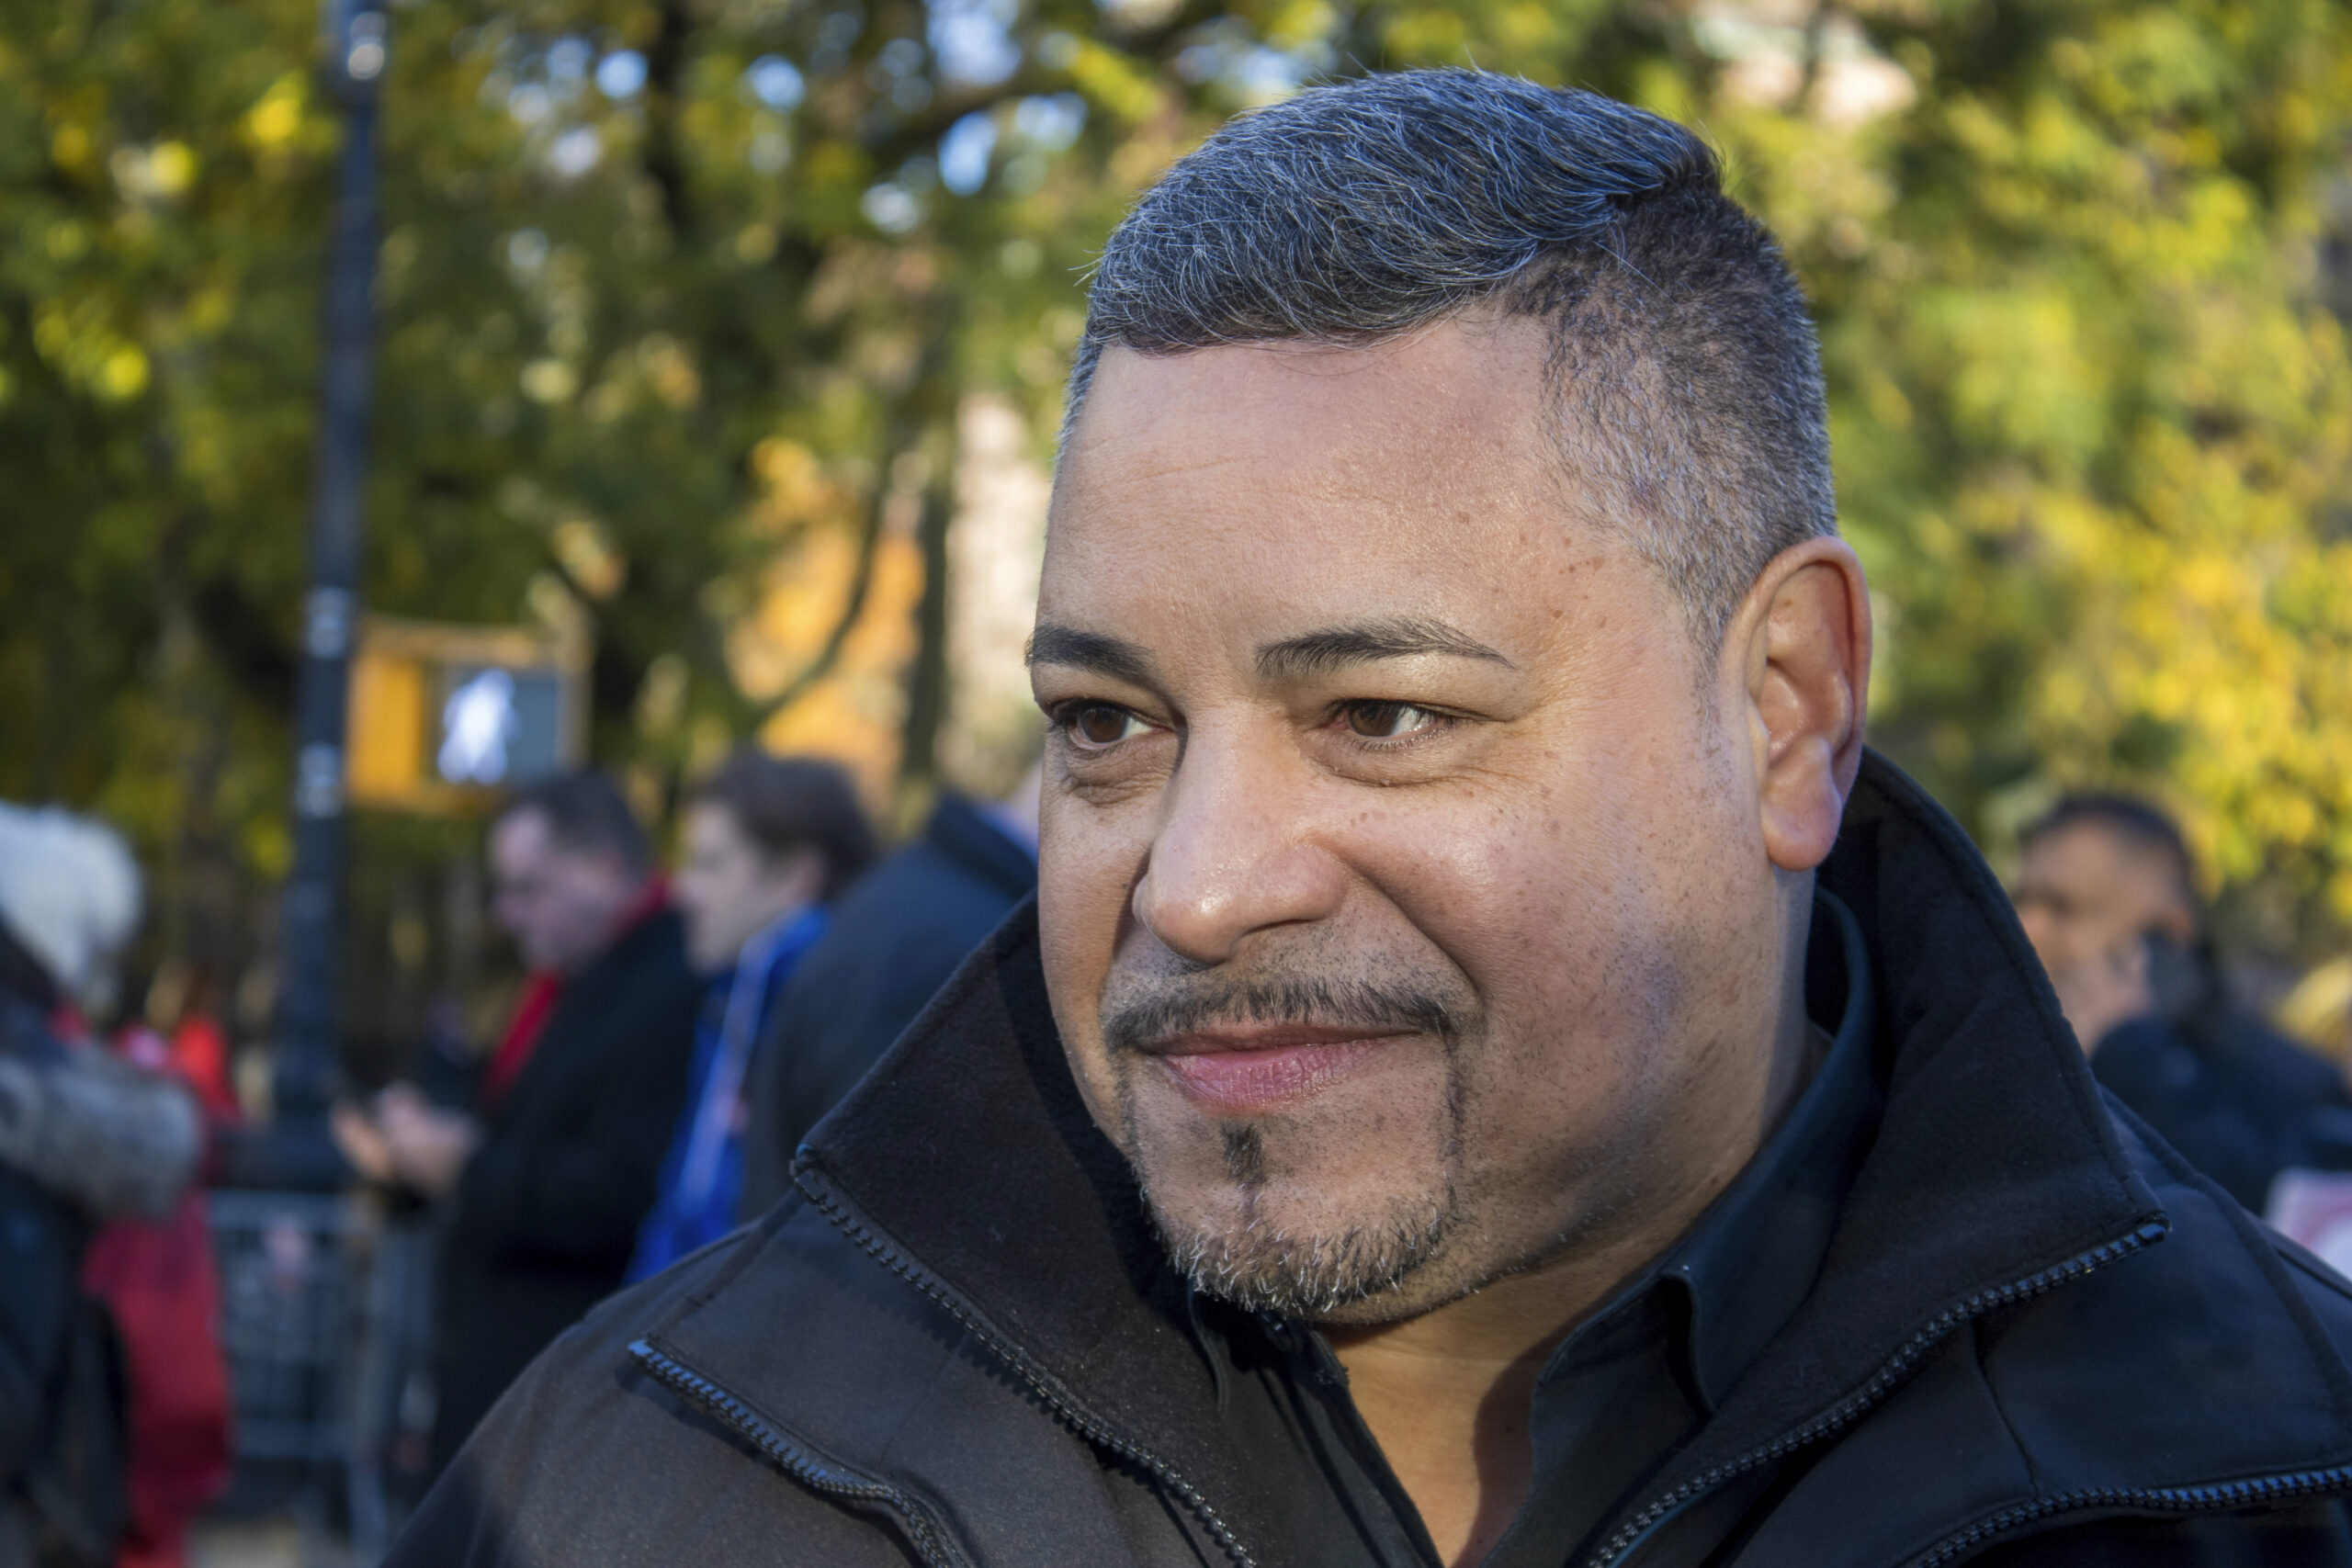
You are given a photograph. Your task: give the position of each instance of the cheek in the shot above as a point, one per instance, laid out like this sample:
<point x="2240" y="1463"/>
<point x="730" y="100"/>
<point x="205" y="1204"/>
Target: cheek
<point x="1086" y="866"/>
<point x="2040" y="929"/>
<point x="1583" y="904"/>
<point x="1523" y="888"/>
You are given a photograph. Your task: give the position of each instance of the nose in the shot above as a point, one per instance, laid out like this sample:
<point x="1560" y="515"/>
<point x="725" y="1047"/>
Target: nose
<point x="1233" y="854"/>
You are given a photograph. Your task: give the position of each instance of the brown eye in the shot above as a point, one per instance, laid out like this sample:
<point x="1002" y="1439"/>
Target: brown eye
<point x="1386" y="721"/>
<point x="1101" y="724"/>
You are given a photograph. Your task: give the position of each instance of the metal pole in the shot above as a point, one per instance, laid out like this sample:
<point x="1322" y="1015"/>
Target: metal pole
<point x="310" y="999"/>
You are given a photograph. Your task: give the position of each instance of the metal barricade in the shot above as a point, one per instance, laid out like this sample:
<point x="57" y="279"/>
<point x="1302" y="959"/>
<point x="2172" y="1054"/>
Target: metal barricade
<point x="324" y="1319"/>
<point x="289" y="1263"/>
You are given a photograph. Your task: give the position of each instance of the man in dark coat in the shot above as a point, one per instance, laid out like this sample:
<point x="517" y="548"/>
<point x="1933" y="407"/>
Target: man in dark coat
<point x="894" y="939"/>
<point x="550" y="1182"/>
<point x="1495" y="1073"/>
<point x="2107" y="892"/>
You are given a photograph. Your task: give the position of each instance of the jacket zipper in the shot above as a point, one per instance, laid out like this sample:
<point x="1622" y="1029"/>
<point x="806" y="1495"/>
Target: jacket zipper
<point x="2218" y="1499"/>
<point x="1620" y="1545"/>
<point x="821" y="1194"/>
<point x="922" y="1533"/>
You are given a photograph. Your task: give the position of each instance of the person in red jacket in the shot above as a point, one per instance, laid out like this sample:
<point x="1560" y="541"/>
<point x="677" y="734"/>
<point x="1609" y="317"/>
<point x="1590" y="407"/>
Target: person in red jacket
<point x="548" y="1177"/>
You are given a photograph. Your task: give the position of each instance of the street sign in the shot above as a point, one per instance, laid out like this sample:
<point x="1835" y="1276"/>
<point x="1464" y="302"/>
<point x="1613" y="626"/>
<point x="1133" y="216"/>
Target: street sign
<point x="445" y="717"/>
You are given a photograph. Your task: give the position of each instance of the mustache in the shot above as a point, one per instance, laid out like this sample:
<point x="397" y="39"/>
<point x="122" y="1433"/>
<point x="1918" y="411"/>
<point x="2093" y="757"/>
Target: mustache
<point x="1189" y="1004"/>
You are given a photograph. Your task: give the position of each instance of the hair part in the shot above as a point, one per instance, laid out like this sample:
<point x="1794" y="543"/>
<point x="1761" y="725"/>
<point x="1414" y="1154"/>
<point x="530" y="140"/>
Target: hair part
<point x="784" y="803"/>
<point x="586" y="812"/>
<point x="1683" y="363"/>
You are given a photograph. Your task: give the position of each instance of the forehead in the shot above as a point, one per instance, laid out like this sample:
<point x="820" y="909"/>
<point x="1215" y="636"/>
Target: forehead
<point x="1314" y="470"/>
<point x="527" y="841"/>
<point x="520" y="835"/>
<point x="714" y="824"/>
<point x="2093" y="861"/>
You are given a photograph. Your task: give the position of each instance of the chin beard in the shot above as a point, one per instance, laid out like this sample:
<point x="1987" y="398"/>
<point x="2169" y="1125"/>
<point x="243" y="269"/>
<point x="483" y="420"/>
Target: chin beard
<point x="1260" y="1266"/>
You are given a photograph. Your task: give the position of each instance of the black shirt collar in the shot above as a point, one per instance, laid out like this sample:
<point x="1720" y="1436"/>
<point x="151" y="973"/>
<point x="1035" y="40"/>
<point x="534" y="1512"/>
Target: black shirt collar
<point x="1754" y="1254"/>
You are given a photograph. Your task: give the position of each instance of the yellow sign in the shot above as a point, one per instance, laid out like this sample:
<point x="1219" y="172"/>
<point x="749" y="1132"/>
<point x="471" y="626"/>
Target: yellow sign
<point x="443" y="718"/>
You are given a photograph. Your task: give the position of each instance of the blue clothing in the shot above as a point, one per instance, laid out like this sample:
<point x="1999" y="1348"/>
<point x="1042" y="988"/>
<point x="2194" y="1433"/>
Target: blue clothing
<point x="702" y="1178"/>
<point x="896" y="936"/>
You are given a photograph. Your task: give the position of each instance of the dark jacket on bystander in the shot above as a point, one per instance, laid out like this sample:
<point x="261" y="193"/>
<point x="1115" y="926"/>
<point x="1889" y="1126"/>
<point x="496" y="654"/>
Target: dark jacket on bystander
<point x="2036" y="1338"/>
<point x="894" y="939"/>
<point x="2239" y="1101"/>
<point x="546" y="1212"/>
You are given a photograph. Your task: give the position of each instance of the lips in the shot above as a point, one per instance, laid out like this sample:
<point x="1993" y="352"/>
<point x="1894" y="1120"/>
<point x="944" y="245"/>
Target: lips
<point x="1246" y="1071"/>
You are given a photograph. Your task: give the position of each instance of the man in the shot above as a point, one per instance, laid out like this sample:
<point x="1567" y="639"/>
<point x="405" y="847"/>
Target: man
<point x="547" y="1185"/>
<point x="768" y="841"/>
<point x="1451" y="1104"/>
<point x="892" y="942"/>
<point x="2106" y="893"/>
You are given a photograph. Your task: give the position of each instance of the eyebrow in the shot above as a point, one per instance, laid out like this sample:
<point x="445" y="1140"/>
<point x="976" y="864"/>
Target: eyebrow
<point x="1113" y="658"/>
<point x="1335" y="648"/>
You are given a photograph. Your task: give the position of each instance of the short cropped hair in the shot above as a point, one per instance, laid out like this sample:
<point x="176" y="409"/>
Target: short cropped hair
<point x="1683" y="360"/>
<point x="585" y="811"/>
<point x="784" y="803"/>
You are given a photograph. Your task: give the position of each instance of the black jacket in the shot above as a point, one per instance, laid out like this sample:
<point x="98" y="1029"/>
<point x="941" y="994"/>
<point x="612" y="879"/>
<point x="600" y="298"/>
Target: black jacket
<point x="547" y="1211"/>
<point x="892" y="942"/>
<point x="2240" y="1102"/>
<point x="63" y="1404"/>
<point x="2037" y="1338"/>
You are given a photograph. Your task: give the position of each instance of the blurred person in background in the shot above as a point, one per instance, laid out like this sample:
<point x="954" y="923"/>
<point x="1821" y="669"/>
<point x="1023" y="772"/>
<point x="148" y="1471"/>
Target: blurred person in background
<point x="893" y="941"/>
<point x="2107" y="892"/>
<point x="765" y="842"/>
<point x="161" y="1286"/>
<point x="549" y="1176"/>
<point x="86" y="1139"/>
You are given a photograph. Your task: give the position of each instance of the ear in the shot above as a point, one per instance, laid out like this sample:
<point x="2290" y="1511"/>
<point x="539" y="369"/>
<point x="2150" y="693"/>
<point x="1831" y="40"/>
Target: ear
<point x="1806" y="634"/>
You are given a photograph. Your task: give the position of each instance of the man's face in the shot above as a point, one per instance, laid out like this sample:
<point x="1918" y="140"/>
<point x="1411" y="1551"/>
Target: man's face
<point x="560" y="903"/>
<point x="1405" y="909"/>
<point x="2085" y="892"/>
<point x="729" y="888"/>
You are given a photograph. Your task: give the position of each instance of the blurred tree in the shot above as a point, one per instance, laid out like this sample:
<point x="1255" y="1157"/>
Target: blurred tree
<point x="683" y="299"/>
<point x="2093" y="419"/>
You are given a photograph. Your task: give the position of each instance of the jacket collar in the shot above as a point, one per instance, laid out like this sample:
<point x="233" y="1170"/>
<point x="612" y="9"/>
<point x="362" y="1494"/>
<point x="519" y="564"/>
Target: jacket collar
<point x="963" y="832"/>
<point x="1751" y="1259"/>
<point x="968" y="1152"/>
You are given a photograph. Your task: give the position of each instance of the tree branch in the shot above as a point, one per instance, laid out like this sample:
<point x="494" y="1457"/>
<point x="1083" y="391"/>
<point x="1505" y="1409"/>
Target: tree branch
<point x="853" y="607"/>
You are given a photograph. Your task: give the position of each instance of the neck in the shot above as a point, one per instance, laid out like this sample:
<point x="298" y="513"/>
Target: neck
<point x="1449" y="1393"/>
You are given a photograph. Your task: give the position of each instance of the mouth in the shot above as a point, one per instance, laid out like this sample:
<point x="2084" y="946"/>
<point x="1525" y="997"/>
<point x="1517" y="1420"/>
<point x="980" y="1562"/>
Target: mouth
<point x="1248" y="1069"/>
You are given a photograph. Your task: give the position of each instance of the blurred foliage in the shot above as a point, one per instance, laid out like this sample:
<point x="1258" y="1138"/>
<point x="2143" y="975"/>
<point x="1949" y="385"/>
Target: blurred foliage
<point x="679" y="299"/>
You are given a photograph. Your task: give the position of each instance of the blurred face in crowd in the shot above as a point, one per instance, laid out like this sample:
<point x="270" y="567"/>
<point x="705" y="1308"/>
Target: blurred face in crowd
<point x="561" y="903"/>
<point x="1418" y="902"/>
<point x="2089" y="895"/>
<point x="2086" y="891"/>
<point x="729" y="889"/>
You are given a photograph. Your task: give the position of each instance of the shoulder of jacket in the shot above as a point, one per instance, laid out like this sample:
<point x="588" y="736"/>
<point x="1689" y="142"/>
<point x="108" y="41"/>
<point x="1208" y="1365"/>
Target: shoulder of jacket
<point x="612" y="1324"/>
<point x="2326" y="1293"/>
<point x="2224" y="1305"/>
<point x="590" y="1458"/>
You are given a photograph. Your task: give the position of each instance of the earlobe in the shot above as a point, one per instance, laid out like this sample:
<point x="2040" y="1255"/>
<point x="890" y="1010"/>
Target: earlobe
<point x="1808" y="682"/>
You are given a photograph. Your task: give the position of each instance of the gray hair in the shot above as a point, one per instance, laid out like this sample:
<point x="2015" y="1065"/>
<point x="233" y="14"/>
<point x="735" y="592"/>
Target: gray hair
<point x="1683" y="360"/>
